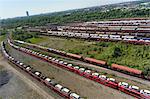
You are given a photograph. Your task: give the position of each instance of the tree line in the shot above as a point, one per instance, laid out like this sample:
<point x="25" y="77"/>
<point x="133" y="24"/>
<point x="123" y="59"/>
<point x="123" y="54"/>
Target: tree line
<point x="75" y="16"/>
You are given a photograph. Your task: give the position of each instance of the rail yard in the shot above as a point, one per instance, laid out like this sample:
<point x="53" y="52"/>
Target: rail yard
<point x="95" y="52"/>
<point x="130" y="31"/>
<point x="111" y="82"/>
<point x="85" y="70"/>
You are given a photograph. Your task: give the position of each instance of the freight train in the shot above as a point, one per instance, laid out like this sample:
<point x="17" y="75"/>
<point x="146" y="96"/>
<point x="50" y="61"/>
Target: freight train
<point x="89" y="74"/>
<point x="118" y="22"/>
<point x="125" y="26"/>
<point x="125" y="36"/>
<point x="113" y="66"/>
<point x="105" y="37"/>
<point x="56" y="87"/>
<point x="96" y="29"/>
<point x="137" y="33"/>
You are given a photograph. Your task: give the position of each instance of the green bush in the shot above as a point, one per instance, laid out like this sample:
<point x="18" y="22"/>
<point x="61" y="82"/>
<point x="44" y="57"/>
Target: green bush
<point x="146" y="70"/>
<point x="3" y="32"/>
<point x="103" y="44"/>
<point x="95" y="49"/>
<point x="23" y="36"/>
<point x="117" y="52"/>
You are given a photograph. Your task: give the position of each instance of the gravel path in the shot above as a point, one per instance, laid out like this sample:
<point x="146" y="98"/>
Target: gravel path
<point x="29" y="82"/>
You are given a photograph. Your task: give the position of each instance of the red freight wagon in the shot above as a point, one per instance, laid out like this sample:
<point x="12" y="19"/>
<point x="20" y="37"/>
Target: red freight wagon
<point x="126" y="69"/>
<point x="97" y="62"/>
<point x="74" y="56"/>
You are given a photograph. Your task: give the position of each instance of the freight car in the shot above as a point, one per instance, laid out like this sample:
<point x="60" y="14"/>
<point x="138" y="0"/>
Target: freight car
<point x="107" y="33"/>
<point x="106" y="37"/>
<point x="75" y="56"/>
<point x="62" y="91"/>
<point x="92" y="75"/>
<point x="128" y="70"/>
<point x="101" y="28"/>
<point x="95" y="61"/>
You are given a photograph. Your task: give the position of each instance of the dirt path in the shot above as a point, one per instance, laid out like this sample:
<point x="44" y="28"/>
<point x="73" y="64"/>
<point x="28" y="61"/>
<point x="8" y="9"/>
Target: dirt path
<point x="25" y="79"/>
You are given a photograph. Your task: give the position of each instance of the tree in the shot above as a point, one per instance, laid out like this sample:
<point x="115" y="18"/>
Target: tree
<point x="146" y="70"/>
<point x="76" y="16"/>
<point x="117" y="52"/>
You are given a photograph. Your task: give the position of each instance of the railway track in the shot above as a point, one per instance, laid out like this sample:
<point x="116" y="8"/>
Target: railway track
<point x="100" y="37"/>
<point x="27" y="80"/>
<point x="102" y="79"/>
<point x="84" y="64"/>
<point x="63" y="54"/>
<point x="56" y="87"/>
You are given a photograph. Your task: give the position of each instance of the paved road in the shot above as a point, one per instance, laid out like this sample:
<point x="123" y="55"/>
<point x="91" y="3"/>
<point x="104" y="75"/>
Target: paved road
<point x="3" y="62"/>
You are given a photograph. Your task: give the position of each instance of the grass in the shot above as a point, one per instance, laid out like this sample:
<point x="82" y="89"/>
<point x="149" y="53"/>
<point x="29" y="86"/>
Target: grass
<point x="36" y="40"/>
<point x="64" y="44"/>
<point x="1" y="67"/>
<point x="135" y="56"/>
<point x="2" y="37"/>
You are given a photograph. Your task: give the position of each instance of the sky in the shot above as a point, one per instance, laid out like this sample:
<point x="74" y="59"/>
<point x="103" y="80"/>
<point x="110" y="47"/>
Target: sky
<point x="15" y="8"/>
